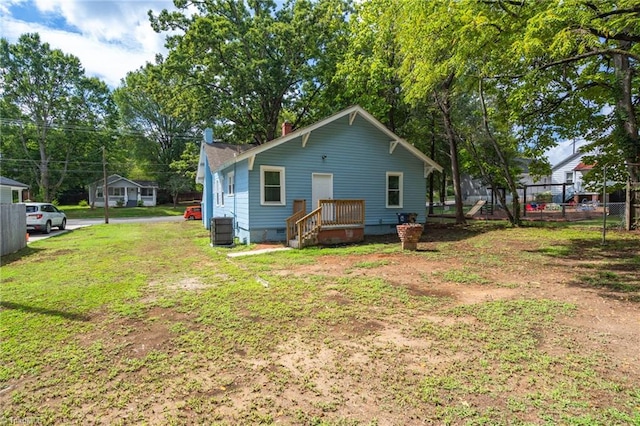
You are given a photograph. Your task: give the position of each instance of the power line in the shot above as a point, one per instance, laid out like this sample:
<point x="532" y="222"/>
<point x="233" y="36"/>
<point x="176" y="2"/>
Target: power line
<point x="84" y="129"/>
<point x="116" y="164"/>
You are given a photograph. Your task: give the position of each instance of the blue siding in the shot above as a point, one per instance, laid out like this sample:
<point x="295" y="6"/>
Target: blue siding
<point x="236" y="205"/>
<point x="207" y="197"/>
<point x="358" y="157"/>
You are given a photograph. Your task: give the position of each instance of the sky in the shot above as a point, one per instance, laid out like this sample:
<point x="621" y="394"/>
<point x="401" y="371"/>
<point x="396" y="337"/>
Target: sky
<point x="110" y="37"/>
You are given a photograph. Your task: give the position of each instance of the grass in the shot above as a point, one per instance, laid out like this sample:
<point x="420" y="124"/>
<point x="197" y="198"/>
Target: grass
<point x="127" y="324"/>
<point x="79" y="212"/>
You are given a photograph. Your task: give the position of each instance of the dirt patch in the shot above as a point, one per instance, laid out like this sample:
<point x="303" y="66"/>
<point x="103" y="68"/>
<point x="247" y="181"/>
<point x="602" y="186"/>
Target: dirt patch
<point x="428" y="350"/>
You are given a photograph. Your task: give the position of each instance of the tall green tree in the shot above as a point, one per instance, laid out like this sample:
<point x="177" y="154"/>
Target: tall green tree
<point x="370" y="76"/>
<point x="432" y="70"/>
<point x="56" y="116"/>
<point x="157" y="133"/>
<point x="572" y="72"/>
<point x="243" y="63"/>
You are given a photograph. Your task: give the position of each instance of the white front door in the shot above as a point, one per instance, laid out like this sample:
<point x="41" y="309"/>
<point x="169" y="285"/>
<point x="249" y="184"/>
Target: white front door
<point x="322" y="189"/>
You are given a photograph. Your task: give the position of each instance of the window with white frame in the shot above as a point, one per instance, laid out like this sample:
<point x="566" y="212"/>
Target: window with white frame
<point x="568" y="177"/>
<point x="99" y="192"/>
<point x="219" y="193"/>
<point x="231" y="183"/>
<point x="146" y="192"/>
<point x="116" y="192"/>
<point x="272" y="190"/>
<point x="394" y="189"/>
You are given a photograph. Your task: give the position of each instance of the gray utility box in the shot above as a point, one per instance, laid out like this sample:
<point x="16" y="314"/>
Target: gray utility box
<point x="221" y="231"/>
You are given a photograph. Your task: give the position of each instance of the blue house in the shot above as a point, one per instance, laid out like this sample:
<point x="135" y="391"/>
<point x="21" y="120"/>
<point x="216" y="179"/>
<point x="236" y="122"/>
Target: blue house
<point x="334" y="181"/>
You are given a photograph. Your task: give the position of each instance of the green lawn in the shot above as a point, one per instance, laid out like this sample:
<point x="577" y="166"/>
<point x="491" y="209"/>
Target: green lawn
<point x="128" y="324"/>
<point x="79" y="212"/>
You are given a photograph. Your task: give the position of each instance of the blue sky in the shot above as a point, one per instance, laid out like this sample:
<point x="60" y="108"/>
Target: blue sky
<point x="110" y="37"/>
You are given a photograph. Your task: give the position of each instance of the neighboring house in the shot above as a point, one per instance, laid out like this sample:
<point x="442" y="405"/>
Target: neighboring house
<point x="11" y="191"/>
<point x="123" y="192"/>
<point x="571" y="171"/>
<point x="474" y="189"/>
<point x="347" y="174"/>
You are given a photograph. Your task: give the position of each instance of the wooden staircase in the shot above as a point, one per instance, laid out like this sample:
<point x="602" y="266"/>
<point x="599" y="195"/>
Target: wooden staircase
<point x="303" y="229"/>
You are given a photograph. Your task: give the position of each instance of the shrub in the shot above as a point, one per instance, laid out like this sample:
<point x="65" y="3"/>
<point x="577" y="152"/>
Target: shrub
<point x="544" y="197"/>
<point x="83" y="203"/>
<point x="140" y="203"/>
<point x="120" y="202"/>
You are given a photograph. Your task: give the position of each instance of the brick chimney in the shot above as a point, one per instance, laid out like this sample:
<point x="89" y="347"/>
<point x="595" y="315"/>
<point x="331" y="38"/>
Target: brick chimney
<point x="286" y="128"/>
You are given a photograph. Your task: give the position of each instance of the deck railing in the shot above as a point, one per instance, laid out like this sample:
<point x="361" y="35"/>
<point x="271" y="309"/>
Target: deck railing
<point x="291" y="224"/>
<point x="329" y="213"/>
<point x="342" y="212"/>
<point x="308" y="227"/>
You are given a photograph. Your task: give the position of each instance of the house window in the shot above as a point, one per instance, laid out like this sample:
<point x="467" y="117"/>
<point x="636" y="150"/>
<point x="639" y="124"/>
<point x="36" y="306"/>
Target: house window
<point x="116" y="192"/>
<point x="231" y="183"/>
<point x="272" y="191"/>
<point x="99" y="192"/>
<point x="568" y="177"/>
<point x="394" y="189"/>
<point x="146" y="192"/>
<point x="219" y="193"/>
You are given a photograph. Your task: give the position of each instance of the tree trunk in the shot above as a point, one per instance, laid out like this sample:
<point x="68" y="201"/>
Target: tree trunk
<point x="625" y="110"/>
<point x="445" y="108"/>
<point x="514" y="216"/>
<point x="433" y="153"/>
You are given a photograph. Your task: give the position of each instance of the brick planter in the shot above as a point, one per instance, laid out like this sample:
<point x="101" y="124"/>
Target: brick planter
<point x="409" y="234"/>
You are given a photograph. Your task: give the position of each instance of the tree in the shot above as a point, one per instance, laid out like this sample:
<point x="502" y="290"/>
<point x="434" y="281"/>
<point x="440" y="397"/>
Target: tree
<point x="241" y="64"/>
<point x="431" y="69"/>
<point x="177" y="184"/>
<point x="158" y="133"/>
<point x="56" y="114"/>
<point x="572" y="73"/>
<point x="370" y="76"/>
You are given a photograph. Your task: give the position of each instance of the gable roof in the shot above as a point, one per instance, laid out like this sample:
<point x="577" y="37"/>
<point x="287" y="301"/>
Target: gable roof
<point x="4" y="181"/>
<point x="221" y="153"/>
<point x="115" y="178"/>
<point x="351" y="112"/>
<point x="570" y="158"/>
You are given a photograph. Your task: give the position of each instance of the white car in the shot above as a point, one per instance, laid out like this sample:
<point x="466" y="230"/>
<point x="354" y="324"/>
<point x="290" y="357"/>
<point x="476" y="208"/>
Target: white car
<point x="44" y="216"/>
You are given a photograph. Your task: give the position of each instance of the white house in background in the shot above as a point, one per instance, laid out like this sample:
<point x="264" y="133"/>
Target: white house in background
<point x="474" y="189"/>
<point x="572" y="171"/>
<point x="124" y="192"/>
<point x="11" y="190"/>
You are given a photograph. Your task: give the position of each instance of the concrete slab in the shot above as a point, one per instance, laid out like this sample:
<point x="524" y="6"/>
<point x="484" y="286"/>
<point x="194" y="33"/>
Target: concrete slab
<point x="254" y="252"/>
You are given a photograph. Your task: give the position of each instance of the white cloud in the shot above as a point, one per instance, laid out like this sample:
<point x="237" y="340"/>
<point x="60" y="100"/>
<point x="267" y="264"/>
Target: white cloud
<point x="110" y="38"/>
<point x="563" y="150"/>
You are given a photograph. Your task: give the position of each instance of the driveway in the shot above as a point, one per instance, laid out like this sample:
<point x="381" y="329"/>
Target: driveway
<point x="81" y="223"/>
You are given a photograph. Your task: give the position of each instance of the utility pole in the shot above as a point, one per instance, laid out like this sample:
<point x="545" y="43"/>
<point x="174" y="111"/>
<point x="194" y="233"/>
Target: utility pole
<point x="106" y="186"/>
<point x="604" y="204"/>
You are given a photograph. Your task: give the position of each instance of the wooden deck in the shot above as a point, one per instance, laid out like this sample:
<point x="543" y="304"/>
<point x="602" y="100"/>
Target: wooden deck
<point x="332" y="222"/>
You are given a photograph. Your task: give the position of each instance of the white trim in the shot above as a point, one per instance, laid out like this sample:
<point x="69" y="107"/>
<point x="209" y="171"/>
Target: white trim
<point x="283" y="196"/>
<point x="352" y="113"/>
<point x="352" y="117"/>
<point x="428" y="170"/>
<point x="216" y="191"/>
<point x="305" y="139"/>
<point x="400" y="190"/>
<point x="392" y="146"/>
<point x="231" y="184"/>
